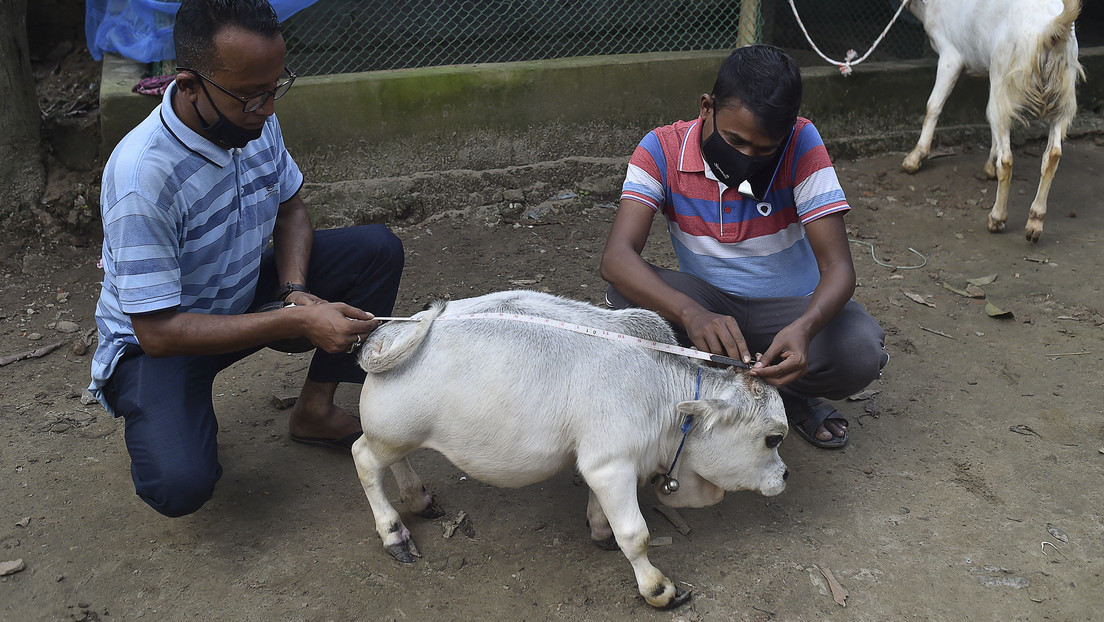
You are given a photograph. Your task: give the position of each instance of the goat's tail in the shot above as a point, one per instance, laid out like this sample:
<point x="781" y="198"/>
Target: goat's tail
<point x="1054" y="69"/>
<point x="380" y="355"/>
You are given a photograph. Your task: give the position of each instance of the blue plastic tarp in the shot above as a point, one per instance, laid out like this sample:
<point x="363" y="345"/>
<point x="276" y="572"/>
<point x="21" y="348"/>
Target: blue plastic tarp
<point x="142" y="29"/>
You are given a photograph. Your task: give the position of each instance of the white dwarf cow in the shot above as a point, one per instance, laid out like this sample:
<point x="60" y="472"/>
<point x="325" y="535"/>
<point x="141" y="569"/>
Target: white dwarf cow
<point x="1029" y="50"/>
<point x="512" y="403"/>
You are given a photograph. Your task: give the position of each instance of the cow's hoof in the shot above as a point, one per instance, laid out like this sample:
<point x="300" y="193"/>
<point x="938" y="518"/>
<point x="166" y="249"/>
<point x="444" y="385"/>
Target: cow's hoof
<point x="431" y="511"/>
<point x="609" y="544"/>
<point x="681" y="598"/>
<point x="404" y="552"/>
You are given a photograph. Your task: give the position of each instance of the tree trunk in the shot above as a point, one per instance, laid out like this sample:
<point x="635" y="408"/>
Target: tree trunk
<point x="22" y="174"/>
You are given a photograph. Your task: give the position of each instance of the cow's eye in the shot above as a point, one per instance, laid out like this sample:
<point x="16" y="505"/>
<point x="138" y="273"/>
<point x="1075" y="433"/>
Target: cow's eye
<point x="774" y="440"/>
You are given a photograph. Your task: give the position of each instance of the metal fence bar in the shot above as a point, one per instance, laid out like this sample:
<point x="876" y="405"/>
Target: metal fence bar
<point x="341" y="36"/>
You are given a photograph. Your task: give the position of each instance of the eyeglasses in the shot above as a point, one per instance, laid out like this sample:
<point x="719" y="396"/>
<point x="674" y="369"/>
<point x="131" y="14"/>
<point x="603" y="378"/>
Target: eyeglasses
<point x="253" y="102"/>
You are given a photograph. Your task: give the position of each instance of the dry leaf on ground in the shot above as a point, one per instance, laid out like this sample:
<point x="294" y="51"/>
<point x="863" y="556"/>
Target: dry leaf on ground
<point x="918" y="298"/>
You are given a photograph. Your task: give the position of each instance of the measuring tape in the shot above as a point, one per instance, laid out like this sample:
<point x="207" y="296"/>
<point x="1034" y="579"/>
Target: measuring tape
<point x="586" y="330"/>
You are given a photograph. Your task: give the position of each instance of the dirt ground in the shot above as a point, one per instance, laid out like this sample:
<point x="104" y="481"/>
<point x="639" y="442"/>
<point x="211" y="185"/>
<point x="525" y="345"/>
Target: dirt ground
<point x="970" y="490"/>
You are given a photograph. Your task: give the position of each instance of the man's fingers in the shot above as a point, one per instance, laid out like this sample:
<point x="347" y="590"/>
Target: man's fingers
<point x="788" y="369"/>
<point x="733" y="345"/>
<point x="769" y="357"/>
<point x="731" y="340"/>
<point x="712" y="344"/>
<point x="354" y="313"/>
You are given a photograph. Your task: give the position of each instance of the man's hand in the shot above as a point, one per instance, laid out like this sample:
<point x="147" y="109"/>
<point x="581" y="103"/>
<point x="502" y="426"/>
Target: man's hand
<point x="790" y="349"/>
<point x="334" y="326"/>
<point x="716" y="334"/>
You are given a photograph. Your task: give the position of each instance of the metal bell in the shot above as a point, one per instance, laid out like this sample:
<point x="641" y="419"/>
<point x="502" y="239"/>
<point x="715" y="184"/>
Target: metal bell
<point x="670" y="485"/>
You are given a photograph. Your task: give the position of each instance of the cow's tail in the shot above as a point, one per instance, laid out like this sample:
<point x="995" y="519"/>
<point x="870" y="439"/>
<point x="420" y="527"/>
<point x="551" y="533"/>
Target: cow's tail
<point x="1053" y="69"/>
<point x="380" y="355"/>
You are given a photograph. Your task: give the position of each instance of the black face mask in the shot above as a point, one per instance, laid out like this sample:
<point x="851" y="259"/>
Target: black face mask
<point x="732" y="167"/>
<point x="224" y="130"/>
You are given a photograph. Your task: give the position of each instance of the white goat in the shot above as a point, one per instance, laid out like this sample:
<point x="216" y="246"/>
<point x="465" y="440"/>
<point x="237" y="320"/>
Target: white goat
<point x="1029" y="49"/>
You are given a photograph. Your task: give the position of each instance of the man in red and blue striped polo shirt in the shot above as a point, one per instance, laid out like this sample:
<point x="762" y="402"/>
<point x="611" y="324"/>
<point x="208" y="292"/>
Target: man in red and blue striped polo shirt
<point x="755" y="214"/>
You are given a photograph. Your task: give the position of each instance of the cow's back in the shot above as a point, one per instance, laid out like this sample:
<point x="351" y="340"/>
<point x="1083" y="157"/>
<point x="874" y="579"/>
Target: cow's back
<point x="500" y="384"/>
<point x="508" y="333"/>
<point x="636" y="322"/>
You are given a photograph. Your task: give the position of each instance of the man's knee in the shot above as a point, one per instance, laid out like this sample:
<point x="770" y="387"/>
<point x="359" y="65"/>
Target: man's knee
<point x="179" y="493"/>
<point x="378" y="245"/>
<point x="860" y="368"/>
<point x="848" y="360"/>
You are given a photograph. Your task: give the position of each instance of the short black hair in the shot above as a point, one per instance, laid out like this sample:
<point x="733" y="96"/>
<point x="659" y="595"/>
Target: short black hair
<point x="198" y="21"/>
<point x="766" y="81"/>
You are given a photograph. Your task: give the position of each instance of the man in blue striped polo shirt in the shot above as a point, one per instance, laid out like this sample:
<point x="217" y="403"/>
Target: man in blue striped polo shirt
<point x="191" y="199"/>
<point x="755" y="214"/>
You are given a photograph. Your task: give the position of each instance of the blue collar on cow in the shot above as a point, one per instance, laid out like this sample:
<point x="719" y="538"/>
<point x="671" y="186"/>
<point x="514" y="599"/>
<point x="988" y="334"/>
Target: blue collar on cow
<point x="670" y="484"/>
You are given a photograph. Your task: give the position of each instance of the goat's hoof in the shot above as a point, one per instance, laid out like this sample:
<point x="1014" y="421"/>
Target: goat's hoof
<point x="1034" y="231"/>
<point x="995" y="226"/>
<point x="909" y="166"/>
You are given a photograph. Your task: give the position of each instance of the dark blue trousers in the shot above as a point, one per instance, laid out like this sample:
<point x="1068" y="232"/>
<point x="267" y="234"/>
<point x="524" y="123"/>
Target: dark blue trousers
<point x="171" y="427"/>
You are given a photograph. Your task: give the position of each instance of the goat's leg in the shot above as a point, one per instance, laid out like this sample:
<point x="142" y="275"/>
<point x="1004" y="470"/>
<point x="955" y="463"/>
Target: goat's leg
<point x="1051" y="157"/>
<point x="950" y="66"/>
<point x="999" y="125"/>
<point x="991" y="162"/>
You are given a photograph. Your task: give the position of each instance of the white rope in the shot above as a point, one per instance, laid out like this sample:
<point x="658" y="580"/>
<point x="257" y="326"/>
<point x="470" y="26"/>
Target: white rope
<point x="849" y="61"/>
<point x="882" y="263"/>
<point x="586" y="330"/>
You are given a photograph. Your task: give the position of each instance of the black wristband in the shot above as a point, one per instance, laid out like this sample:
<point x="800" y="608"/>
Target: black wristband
<point x="289" y="287"/>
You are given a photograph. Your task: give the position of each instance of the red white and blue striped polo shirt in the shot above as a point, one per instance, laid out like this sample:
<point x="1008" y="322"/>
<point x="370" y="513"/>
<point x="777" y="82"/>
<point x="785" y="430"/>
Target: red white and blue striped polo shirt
<point x="744" y="246"/>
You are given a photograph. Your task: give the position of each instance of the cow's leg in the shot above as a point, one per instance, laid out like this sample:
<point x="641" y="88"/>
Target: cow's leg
<point x="413" y="493"/>
<point x="1051" y="157"/>
<point x="370" y="464"/>
<point x="950" y="66"/>
<point x="999" y="113"/>
<point x="614" y="488"/>
<point x="600" y="530"/>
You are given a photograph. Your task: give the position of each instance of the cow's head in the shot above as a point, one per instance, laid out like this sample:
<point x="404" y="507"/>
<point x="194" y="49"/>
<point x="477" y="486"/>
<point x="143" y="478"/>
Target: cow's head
<point x="733" y="444"/>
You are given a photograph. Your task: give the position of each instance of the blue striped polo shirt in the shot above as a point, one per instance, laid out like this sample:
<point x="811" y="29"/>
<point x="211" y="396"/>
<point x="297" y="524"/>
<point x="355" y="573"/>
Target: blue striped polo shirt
<point x="185" y="222"/>
<point x="745" y="246"/>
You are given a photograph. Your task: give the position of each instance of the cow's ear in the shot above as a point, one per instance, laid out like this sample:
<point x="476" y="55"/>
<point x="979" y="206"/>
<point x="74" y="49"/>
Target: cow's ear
<point x="710" y="411"/>
<point x="692" y="407"/>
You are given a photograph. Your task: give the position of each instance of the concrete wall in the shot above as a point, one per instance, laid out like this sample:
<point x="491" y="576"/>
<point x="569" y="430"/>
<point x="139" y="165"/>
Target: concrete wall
<point x="408" y="144"/>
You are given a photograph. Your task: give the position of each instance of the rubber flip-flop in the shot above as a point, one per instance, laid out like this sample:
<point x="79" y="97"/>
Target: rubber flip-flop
<point x="344" y="442"/>
<point x="806" y="415"/>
